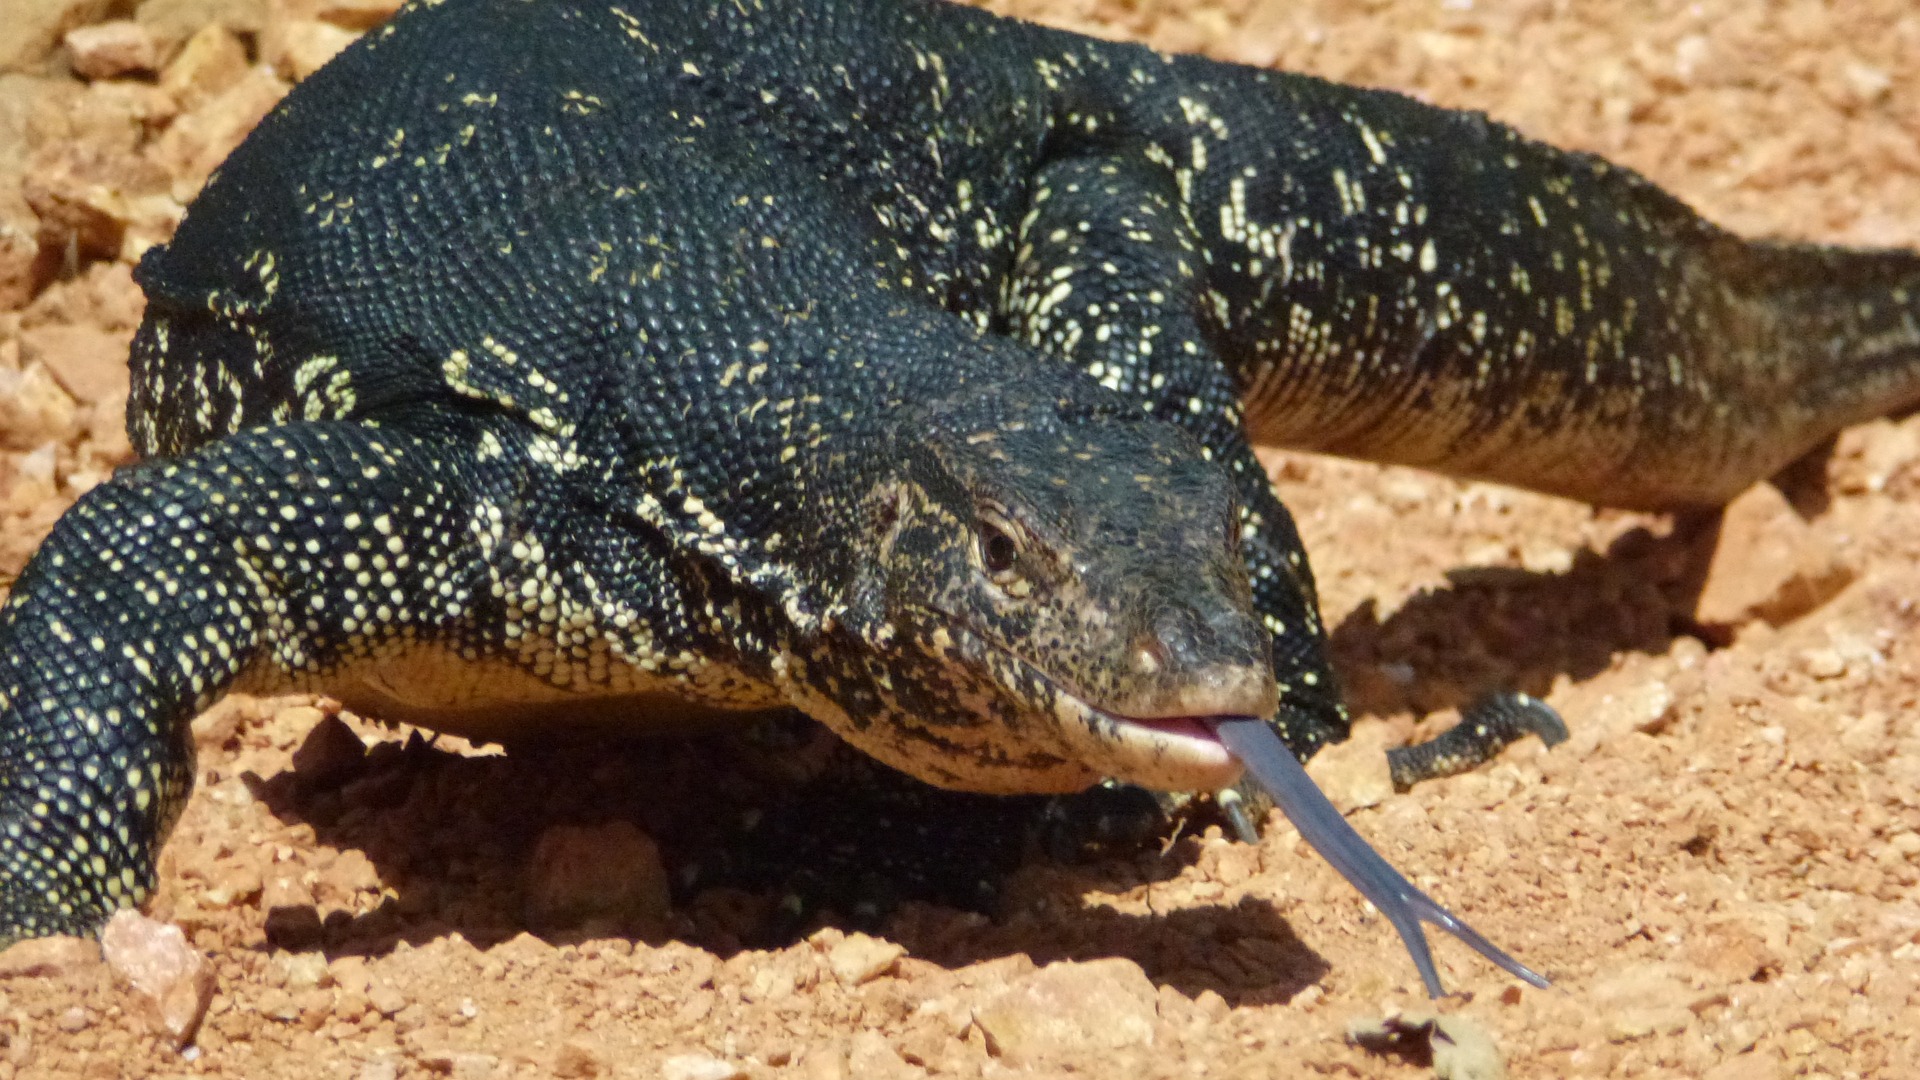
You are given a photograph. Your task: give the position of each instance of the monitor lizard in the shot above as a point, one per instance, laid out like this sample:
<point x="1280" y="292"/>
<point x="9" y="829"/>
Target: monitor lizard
<point x="541" y="363"/>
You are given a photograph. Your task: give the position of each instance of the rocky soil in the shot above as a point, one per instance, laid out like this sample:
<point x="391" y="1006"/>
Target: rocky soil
<point x="1718" y="869"/>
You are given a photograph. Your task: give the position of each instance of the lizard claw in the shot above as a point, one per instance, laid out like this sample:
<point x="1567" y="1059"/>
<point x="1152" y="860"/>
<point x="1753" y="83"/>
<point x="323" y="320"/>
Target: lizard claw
<point x="1279" y="773"/>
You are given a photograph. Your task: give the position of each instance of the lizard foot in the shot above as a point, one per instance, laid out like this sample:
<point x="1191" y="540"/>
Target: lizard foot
<point x="1486" y="727"/>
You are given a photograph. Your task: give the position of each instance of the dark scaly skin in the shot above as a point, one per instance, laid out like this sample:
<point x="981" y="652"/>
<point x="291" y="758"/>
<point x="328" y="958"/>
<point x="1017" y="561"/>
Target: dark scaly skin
<point x="538" y="361"/>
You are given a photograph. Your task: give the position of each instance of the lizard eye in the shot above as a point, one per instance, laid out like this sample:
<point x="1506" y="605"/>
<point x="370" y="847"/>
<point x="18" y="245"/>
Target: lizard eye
<point x="996" y="548"/>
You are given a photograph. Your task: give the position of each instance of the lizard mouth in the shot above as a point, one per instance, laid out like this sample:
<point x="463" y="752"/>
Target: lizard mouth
<point x="1169" y="753"/>
<point x="1176" y="752"/>
<point x="1185" y="727"/>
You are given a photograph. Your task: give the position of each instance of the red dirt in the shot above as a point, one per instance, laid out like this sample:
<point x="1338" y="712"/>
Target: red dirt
<point x="1718" y="869"/>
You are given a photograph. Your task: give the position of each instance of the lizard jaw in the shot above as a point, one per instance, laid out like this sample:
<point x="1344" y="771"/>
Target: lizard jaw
<point x="1170" y="753"/>
<point x="1174" y="751"/>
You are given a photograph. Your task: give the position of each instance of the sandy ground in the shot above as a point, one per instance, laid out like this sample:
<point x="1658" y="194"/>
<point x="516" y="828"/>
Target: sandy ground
<point x="1718" y="869"/>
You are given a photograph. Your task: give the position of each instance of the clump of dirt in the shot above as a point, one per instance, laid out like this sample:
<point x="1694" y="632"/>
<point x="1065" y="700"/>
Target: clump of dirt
<point x="1719" y="869"/>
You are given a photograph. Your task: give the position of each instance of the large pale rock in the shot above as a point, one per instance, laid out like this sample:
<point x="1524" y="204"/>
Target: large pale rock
<point x="104" y="296"/>
<point x="173" y="978"/>
<point x="1771" y="564"/>
<point x="1071" y="1009"/>
<point x="1638" y="1000"/>
<point x="871" y="1057"/>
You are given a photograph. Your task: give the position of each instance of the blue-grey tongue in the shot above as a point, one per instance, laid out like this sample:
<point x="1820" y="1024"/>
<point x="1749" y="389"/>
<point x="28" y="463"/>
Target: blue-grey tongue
<point x="1278" y="772"/>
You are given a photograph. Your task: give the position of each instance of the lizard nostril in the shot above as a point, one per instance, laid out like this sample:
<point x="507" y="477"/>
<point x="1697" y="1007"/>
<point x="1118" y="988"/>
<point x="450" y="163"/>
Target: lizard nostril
<point x="1149" y="654"/>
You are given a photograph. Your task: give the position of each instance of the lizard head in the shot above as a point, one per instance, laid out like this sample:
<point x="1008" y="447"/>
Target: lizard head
<point x="1043" y="604"/>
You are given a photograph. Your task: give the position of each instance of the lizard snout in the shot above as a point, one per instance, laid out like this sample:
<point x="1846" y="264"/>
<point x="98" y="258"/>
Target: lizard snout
<point x="1190" y="662"/>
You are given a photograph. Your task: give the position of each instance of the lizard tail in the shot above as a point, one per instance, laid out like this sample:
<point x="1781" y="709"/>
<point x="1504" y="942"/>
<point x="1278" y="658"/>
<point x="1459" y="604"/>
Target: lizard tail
<point x="1843" y="322"/>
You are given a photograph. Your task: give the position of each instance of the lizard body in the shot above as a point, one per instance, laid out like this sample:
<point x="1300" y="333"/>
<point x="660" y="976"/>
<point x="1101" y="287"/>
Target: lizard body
<point x="535" y="359"/>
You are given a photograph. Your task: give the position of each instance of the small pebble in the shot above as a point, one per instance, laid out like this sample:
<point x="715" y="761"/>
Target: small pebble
<point x="1094" y="1007"/>
<point x="1824" y="663"/>
<point x="386" y="999"/>
<point x="109" y="49"/>
<point x="859" y="959"/>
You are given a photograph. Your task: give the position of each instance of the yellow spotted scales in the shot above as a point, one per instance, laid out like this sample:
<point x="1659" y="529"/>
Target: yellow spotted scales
<point x="538" y="363"/>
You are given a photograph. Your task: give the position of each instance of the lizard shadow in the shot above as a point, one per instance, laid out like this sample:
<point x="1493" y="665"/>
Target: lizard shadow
<point x="1516" y="629"/>
<point x="1506" y="628"/>
<point x="1246" y="952"/>
<point x="455" y="844"/>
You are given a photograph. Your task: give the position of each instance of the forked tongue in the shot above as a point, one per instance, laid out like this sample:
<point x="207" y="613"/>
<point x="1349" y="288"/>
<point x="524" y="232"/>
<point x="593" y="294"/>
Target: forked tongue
<point x="1278" y="772"/>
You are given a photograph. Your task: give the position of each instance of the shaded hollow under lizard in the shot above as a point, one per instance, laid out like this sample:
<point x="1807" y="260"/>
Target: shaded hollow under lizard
<point x="542" y="362"/>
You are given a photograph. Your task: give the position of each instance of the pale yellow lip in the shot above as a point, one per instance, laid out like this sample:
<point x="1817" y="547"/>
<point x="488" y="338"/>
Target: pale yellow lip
<point x="1162" y="753"/>
<point x="1166" y="754"/>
